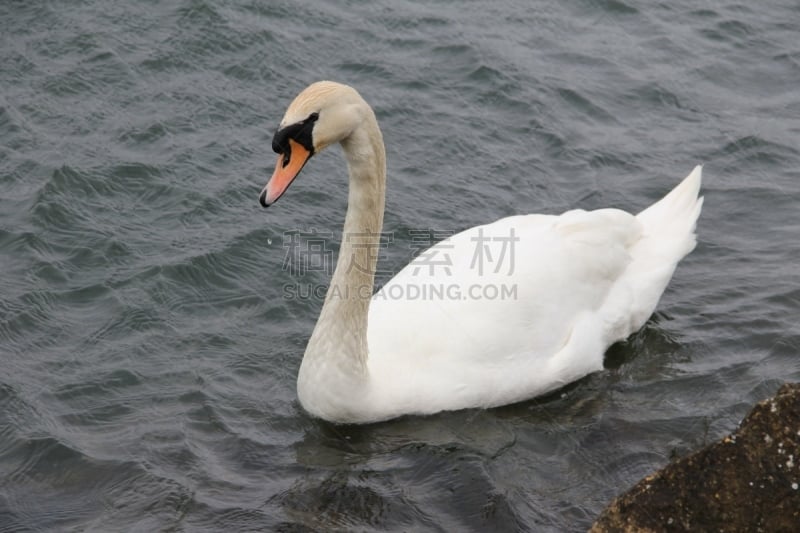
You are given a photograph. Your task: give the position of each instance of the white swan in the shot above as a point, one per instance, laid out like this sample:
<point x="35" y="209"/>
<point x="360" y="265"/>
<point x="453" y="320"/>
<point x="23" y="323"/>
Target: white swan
<point x="492" y="329"/>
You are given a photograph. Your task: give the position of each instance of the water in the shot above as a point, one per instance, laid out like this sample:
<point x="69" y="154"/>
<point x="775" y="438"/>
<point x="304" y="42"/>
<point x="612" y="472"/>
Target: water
<point x="148" y="355"/>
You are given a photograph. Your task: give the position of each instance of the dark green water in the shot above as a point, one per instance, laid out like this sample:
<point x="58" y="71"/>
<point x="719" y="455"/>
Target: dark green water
<point x="148" y="354"/>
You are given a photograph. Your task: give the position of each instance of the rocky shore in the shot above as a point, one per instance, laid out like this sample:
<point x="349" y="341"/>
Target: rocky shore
<point x="748" y="481"/>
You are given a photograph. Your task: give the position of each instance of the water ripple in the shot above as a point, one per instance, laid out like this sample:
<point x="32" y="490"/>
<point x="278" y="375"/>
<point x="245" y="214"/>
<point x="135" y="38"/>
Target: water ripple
<point x="149" y="348"/>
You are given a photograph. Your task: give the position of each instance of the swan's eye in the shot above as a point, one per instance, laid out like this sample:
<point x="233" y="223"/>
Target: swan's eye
<point x="299" y="132"/>
<point x="280" y="141"/>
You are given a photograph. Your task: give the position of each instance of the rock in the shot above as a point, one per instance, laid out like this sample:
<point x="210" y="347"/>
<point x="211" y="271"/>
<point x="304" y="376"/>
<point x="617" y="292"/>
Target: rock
<point x="748" y="481"/>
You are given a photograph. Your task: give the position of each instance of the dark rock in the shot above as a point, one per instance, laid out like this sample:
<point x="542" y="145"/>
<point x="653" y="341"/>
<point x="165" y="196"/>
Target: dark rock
<point x="748" y="481"/>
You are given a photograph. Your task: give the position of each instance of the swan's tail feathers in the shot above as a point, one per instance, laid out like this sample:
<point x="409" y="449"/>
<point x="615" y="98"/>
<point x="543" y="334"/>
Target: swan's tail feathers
<point x="671" y="221"/>
<point x="667" y="236"/>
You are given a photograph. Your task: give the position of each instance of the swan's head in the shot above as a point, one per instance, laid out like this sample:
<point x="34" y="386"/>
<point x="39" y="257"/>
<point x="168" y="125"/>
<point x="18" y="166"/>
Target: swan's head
<point x="323" y="114"/>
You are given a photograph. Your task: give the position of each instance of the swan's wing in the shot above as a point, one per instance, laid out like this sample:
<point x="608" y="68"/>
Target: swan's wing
<point x="507" y="295"/>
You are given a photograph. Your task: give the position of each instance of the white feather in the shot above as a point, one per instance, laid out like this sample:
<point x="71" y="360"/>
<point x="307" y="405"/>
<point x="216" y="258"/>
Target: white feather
<point x="493" y="315"/>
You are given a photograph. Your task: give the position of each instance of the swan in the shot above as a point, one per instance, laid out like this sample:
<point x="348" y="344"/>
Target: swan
<point x="574" y="284"/>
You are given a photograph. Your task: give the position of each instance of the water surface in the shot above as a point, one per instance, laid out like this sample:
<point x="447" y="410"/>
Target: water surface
<point x="148" y="353"/>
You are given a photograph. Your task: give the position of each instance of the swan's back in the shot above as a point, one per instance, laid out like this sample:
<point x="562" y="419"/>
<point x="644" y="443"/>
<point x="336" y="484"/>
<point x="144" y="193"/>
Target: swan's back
<point x="526" y="325"/>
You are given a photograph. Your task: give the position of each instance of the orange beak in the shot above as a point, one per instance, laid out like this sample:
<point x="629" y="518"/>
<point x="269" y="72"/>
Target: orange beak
<point x="287" y="168"/>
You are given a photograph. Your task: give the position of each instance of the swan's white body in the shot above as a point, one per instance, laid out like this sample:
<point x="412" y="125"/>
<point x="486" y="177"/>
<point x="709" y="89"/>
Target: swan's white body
<point x="493" y="315"/>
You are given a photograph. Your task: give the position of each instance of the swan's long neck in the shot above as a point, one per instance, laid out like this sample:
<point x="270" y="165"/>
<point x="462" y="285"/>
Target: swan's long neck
<point x="339" y="340"/>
